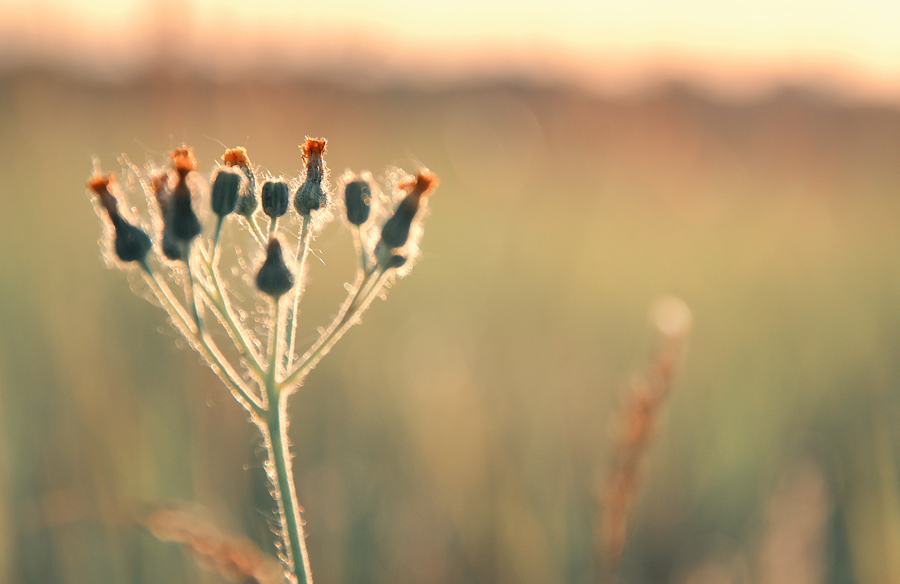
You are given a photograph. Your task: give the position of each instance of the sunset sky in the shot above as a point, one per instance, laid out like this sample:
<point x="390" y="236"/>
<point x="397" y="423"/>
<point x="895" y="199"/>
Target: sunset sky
<point x="730" y="45"/>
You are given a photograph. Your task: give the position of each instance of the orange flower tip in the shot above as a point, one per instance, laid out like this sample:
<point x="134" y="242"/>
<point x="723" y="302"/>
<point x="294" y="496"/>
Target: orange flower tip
<point x="423" y="183"/>
<point x="236" y="157"/>
<point x="183" y="160"/>
<point x="99" y="182"/>
<point x="313" y="147"/>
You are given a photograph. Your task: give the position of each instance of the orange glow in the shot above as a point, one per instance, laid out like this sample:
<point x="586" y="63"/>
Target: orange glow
<point x="731" y="46"/>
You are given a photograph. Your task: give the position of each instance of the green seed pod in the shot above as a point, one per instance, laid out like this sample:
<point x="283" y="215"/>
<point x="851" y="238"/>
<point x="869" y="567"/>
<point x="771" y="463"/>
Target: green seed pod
<point x="247" y="203"/>
<point x="395" y="260"/>
<point x="275" y="198"/>
<point x="395" y="232"/>
<point x="274" y="278"/>
<point x="171" y="247"/>
<point x="225" y="191"/>
<point x="357" y="196"/>
<point x="131" y="243"/>
<point x="180" y="217"/>
<point x="310" y="197"/>
<point x="237" y="158"/>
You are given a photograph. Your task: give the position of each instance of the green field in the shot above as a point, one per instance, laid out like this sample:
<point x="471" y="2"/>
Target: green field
<point x="461" y="434"/>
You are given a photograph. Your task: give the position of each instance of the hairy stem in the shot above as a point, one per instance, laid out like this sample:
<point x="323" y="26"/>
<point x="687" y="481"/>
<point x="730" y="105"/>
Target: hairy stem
<point x="256" y="231"/>
<point x="346" y="318"/>
<point x="279" y="465"/>
<point x="302" y="252"/>
<point x="204" y="344"/>
<point x="216" y="300"/>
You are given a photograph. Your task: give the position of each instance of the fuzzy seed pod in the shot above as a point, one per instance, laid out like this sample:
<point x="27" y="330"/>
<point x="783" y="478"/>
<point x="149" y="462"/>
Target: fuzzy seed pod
<point x="275" y="198"/>
<point x="395" y="260"/>
<point x="274" y="278"/>
<point x="171" y="247"/>
<point x="180" y="217"/>
<point x="225" y="191"/>
<point x="247" y="202"/>
<point x="131" y="242"/>
<point x="357" y="196"/>
<point x="395" y="232"/>
<point x="311" y="196"/>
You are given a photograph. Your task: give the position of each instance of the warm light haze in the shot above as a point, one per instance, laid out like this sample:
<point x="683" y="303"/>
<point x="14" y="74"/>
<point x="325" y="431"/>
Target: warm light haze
<point x="732" y="47"/>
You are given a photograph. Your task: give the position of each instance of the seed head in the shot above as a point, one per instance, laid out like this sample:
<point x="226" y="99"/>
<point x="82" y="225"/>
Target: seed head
<point x="225" y="191"/>
<point x="395" y="260"/>
<point x="247" y="202"/>
<point x="131" y="242"/>
<point x="171" y="247"/>
<point x="236" y="157"/>
<point x="183" y="160"/>
<point x="357" y="196"/>
<point x="395" y="232"/>
<point x="311" y="195"/>
<point x="313" y="153"/>
<point x="275" y="198"/>
<point x="180" y="217"/>
<point x="274" y="278"/>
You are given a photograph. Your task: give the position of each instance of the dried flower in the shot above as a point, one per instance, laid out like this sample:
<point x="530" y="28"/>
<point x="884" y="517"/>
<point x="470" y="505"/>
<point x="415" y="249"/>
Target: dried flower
<point x="260" y="383"/>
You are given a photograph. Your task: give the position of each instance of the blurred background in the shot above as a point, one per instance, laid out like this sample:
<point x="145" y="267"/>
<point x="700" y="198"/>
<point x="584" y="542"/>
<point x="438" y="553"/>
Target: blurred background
<point x="593" y="156"/>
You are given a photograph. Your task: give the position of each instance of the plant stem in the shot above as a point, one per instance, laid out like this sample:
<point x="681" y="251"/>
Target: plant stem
<point x="288" y="508"/>
<point x="280" y="462"/>
<point x="203" y="343"/>
<point x="216" y="298"/>
<point x="302" y="251"/>
<point x="348" y="316"/>
<point x="256" y="231"/>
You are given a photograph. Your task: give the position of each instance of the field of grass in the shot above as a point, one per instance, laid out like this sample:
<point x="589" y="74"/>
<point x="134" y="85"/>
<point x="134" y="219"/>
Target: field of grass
<point x="462" y="433"/>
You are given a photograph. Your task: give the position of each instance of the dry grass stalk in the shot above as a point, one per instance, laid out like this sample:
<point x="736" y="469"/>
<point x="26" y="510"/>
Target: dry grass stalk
<point x="236" y="558"/>
<point x="635" y="429"/>
<point x="793" y="544"/>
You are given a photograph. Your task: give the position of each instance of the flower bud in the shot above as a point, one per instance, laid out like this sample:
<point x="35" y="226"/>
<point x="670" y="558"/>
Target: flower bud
<point x="247" y="202"/>
<point x="225" y="191"/>
<point x="274" y="278"/>
<point x="171" y="247"/>
<point x="357" y="196"/>
<point x="395" y="232"/>
<point x="311" y="196"/>
<point x="131" y="242"/>
<point x="275" y="198"/>
<point x="394" y="260"/>
<point x="180" y="217"/>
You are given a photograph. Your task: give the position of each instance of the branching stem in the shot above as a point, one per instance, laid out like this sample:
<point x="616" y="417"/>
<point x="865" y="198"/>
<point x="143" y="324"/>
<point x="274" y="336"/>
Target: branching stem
<point x="280" y="461"/>
<point x="202" y="341"/>
<point x="302" y="252"/>
<point x="365" y="292"/>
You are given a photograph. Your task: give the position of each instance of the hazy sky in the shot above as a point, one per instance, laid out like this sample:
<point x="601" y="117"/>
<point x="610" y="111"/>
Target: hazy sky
<point x="732" y="43"/>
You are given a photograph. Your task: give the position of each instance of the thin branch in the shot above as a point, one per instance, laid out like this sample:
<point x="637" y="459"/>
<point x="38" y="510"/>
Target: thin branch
<point x="203" y="343"/>
<point x="356" y="304"/>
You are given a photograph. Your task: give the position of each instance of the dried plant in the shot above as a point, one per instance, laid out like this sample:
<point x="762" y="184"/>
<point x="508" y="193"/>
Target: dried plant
<point x="635" y="428"/>
<point x="792" y="550"/>
<point x="236" y="558"/>
<point x="187" y="220"/>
